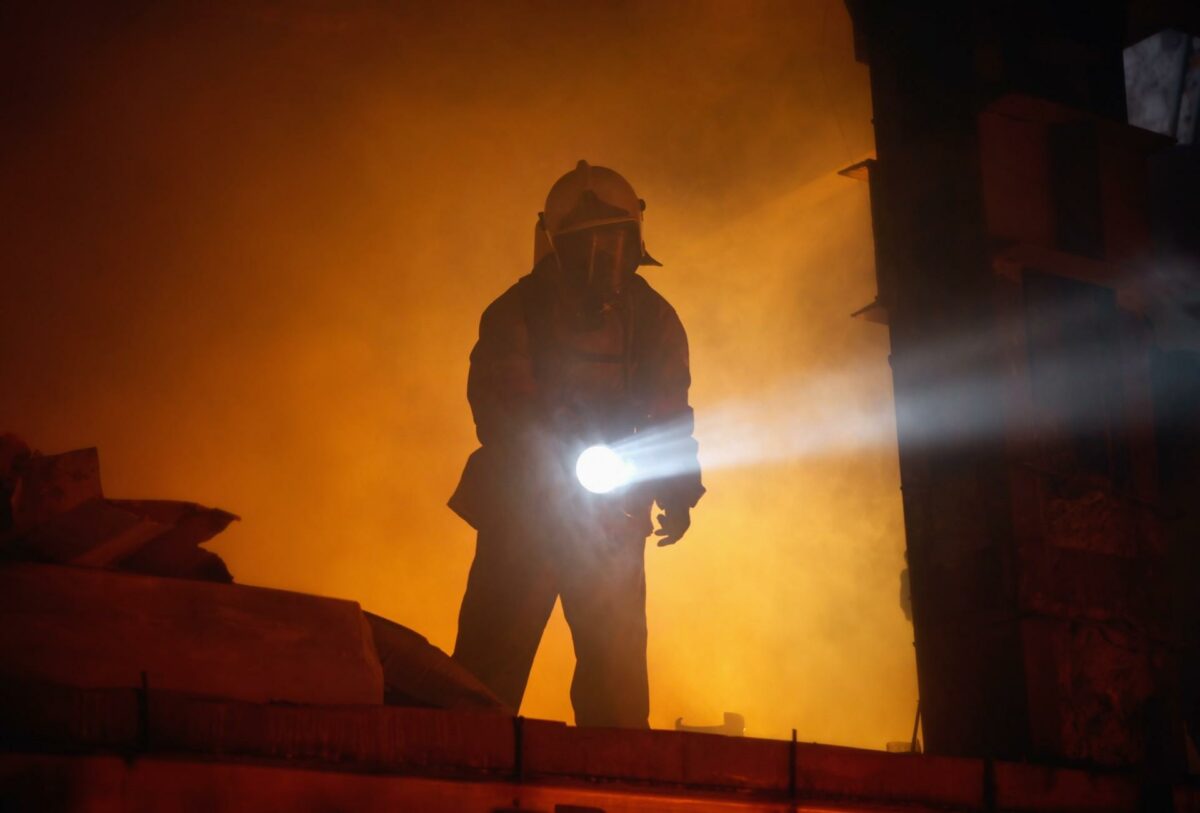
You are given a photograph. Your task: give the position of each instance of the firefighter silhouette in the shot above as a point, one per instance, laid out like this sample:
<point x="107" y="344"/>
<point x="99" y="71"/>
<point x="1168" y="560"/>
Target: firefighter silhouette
<point x="580" y="351"/>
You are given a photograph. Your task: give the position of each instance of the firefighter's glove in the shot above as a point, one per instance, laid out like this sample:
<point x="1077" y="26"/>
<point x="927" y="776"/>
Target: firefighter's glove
<point x="673" y="523"/>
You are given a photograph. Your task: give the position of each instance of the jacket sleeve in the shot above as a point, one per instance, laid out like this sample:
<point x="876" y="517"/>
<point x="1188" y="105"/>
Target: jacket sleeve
<point x="501" y="386"/>
<point x="502" y="392"/>
<point x="670" y="412"/>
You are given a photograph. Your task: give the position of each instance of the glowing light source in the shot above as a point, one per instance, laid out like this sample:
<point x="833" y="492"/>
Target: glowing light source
<point x="600" y="469"/>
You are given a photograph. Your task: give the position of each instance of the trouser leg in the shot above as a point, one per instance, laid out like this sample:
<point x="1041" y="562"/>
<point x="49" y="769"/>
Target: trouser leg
<point x="510" y="593"/>
<point x="604" y="601"/>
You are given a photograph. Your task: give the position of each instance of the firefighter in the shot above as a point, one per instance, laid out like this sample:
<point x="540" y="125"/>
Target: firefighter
<point x="580" y="351"/>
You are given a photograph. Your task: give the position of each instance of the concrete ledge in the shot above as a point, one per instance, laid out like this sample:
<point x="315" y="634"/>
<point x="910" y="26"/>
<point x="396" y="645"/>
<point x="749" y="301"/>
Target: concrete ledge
<point x="63" y="718"/>
<point x="40" y="782"/>
<point x="480" y="747"/>
<point x="429" y="742"/>
<point x="830" y="772"/>
<point x="708" y="761"/>
<point x="1042" y="789"/>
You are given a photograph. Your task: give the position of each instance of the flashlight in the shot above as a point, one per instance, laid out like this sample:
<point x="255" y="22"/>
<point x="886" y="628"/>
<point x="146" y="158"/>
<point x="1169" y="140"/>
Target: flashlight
<point x="600" y="469"/>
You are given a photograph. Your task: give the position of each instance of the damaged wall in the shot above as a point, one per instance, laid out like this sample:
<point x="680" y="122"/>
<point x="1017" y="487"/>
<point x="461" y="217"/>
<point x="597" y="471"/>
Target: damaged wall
<point x="246" y="251"/>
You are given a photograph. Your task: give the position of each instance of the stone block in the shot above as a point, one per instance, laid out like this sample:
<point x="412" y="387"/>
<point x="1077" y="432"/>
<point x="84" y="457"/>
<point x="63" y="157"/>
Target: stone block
<point x="101" y="629"/>
<point x="417" y="673"/>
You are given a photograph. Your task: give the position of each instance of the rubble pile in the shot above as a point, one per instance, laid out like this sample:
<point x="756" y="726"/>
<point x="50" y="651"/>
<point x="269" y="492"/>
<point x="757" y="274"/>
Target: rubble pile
<point x="53" y="512"/>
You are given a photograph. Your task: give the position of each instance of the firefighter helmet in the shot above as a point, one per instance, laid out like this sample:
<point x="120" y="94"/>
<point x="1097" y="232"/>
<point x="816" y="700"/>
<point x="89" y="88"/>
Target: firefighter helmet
<point x="588" y="197"/>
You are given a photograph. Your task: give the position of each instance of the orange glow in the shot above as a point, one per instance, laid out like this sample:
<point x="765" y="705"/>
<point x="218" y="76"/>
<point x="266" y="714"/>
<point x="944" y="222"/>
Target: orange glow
<point x="249" y="249"/>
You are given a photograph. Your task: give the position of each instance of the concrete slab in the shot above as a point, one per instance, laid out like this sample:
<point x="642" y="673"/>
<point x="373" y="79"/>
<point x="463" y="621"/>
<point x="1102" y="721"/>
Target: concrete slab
<point x="94" y="533"/>
<point x="177" y="552"/>
<point x="100" y="629"/>
<point x="417" y="673"/>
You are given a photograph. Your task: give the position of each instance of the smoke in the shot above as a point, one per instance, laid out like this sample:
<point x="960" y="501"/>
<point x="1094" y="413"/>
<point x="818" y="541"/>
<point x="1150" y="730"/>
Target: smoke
<point x="247" y="246"/>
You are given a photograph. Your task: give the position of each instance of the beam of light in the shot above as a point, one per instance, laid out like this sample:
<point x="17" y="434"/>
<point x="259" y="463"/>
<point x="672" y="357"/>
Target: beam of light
<point x="1055" y="373"/>
<point x="819" y="416"/>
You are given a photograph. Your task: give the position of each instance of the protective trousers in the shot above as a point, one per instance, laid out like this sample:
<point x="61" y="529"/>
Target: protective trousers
<point x="514" y="580"/>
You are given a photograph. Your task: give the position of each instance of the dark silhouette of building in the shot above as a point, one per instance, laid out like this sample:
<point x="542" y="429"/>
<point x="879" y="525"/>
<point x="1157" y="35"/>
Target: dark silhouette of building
<point x="1014" y="225"/>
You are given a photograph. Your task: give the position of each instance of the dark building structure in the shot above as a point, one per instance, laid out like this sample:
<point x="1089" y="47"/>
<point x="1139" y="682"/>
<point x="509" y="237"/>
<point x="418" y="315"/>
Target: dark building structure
<point x="1046" y="443"/>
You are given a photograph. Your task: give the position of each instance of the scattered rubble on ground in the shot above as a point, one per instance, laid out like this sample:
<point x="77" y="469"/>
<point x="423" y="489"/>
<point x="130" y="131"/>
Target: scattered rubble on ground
<point x="53" y="512"/>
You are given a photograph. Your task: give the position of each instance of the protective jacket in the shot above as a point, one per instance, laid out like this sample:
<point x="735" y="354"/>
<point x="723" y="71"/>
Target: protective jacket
<point x="544" y="384"/>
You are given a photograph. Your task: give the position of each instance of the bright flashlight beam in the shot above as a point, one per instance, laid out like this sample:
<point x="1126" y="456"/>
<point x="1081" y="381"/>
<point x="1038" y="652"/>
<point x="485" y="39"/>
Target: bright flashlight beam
<point x="957" y="392"/>
<point x="601" y="470"/>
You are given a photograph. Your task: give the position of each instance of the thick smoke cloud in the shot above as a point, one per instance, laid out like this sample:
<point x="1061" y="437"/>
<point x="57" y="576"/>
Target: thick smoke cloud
<point x="246" y="247"/>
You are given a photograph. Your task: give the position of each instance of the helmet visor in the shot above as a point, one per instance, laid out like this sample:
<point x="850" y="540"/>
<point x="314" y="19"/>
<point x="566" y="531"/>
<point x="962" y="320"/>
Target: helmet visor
<point x="602" y="259"/>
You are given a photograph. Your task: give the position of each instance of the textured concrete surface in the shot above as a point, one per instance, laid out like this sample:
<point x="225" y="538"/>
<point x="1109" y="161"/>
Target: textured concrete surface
<point x="96" y="628"/>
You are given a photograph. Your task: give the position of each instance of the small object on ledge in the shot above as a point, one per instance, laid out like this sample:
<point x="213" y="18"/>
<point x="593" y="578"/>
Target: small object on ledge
<point x="734" y="726"/>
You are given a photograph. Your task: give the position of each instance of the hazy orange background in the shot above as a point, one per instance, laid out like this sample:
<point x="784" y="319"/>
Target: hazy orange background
<point x="246" y="247"/>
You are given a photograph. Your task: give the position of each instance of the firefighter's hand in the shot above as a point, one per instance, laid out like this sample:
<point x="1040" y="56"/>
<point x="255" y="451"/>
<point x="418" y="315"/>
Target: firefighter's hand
<point x="672" y="525"/>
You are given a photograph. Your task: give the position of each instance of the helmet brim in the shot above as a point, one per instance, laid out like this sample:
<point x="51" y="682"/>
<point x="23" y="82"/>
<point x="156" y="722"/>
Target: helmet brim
<point x="648" y="260"/>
